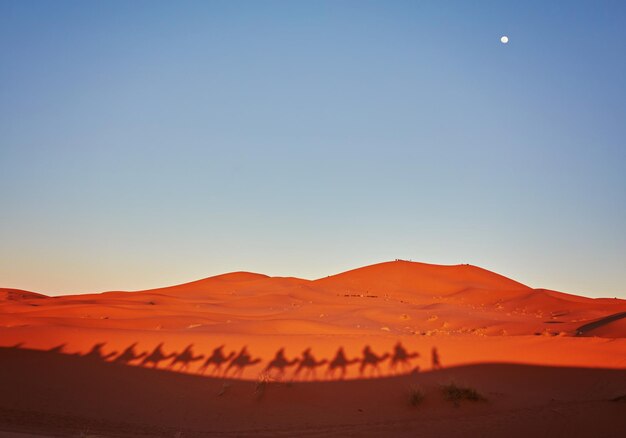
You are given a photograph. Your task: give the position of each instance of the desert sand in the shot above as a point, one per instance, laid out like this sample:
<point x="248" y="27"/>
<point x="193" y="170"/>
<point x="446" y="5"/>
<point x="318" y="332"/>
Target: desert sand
<point x="350" y="354"/>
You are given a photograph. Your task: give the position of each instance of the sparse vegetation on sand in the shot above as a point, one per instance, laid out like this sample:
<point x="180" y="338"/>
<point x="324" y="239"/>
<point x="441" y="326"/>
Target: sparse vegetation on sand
<point x="456" y="394"/>
<point x="261" y="384"/>
<point x="265" y="379"/>
<point x="416" y="396"/>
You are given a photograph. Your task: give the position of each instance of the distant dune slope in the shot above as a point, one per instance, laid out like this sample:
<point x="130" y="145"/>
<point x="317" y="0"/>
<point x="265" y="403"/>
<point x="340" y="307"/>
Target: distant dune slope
<point x="399" y="298"/>
<point x="18" y="294"/>
<point x="612" y="324"/>
<point x="417" y="278"/>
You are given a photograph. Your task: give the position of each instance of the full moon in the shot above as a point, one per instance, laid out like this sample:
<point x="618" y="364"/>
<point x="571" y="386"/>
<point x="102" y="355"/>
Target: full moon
<point x="504" y="39"/>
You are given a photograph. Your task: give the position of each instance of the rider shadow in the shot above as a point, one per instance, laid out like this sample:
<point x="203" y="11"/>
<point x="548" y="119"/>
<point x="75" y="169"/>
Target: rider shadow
<point x="185" y="358"/>
<point x="308" y="363"/>
<point x="218" y="358"/>
<point x="129" y="355"/>
<point x="240" y="362"/>
<point x="340" y="362"/>
<point x="96" y="353"/>
<point x="279" y="363"/>
<point x="401" y="357"/>
<point x="371" y="360"/>
<point x="157" y="356"/>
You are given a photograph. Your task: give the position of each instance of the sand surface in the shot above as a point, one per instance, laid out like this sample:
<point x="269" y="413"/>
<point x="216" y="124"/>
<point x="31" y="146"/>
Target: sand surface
<point x="135" y="363"/>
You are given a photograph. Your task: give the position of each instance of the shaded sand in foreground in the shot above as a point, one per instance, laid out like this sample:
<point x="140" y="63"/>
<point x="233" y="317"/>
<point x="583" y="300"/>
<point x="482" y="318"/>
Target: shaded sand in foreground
<point x="76" y="394"/>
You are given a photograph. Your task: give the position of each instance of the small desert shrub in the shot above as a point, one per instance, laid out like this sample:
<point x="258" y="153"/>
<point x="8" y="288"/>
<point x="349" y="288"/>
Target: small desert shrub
<point x="261" y="384"/>
<point x="456" y="394"/>
<point x="620" y="399"/>
<point x="416" y="396"/>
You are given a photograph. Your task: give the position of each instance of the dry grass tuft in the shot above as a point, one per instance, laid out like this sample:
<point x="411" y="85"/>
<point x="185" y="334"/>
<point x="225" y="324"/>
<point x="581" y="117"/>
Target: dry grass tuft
<point x="263" y="380"/>
<point x="416" y="396"/>
<point x="456" y="394"/>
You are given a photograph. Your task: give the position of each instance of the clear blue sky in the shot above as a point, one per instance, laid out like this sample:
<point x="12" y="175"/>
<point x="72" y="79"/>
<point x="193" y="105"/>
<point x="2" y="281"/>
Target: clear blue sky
<point x="149" y="143"/>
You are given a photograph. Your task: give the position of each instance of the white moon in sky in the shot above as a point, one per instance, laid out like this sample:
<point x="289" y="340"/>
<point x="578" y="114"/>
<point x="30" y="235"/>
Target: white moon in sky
<point x="504" y="39"/>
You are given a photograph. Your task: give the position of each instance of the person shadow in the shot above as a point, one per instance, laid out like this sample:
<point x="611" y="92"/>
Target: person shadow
<point x="185" y="358"/>
<point x="340" y="362"/>
<point x="217" y="358"/>
<point x="156" y="356"/>
<point x="435" y="359"/>
<point x="129" y="355"/>
<point x="371" y="360"/>
<point x="240" y="362"/>
<point x="96" y="353"/>
<point x="401" y="357"/>
<point x="279" y="363"/>
<point x="308" y="363"/>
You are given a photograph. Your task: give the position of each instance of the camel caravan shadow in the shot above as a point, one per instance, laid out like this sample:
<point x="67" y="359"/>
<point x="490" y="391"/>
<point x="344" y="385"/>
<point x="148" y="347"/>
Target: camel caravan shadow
<point x="226" y="363"/>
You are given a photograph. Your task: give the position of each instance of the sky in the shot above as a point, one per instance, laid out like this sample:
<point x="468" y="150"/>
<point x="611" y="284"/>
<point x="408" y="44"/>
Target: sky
<point x="145" y="143"/>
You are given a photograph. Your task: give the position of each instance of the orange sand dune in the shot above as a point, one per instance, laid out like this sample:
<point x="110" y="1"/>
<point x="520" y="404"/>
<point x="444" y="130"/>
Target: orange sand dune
<point x="468" y="314"/>
<point x="417" y="279"/>
<point x="399" y="298"/>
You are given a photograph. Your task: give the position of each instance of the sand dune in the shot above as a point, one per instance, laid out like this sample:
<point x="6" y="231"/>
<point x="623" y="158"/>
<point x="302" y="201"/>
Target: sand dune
<point x="399" y="297"/>
<point x="470" y="315"/>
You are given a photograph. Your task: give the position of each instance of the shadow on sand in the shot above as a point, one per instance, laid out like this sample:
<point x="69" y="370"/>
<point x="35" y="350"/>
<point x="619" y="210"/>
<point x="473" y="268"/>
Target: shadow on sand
<point x="220" y="364"/>
<point x="71" y="394"/>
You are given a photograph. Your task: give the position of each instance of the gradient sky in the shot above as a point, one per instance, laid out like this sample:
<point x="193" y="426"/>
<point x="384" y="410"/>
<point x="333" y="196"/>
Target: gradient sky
<point x="144" y="143"/>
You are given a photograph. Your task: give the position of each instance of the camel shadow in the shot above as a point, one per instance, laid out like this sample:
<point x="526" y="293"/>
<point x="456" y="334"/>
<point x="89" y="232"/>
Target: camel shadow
<point x="185" y="358"/>
<point x="96" y="353"/>
<point x="340" y="362"/>
<point x="401" y="357"/>
<point x="217" y="359"/>
<point x="279" y="363"/>
<point x="157" y="356"/>
<point x="58" y="349"/>
<point x="309" y="364"/>
<point x="240" y="362"/>
<point x="371" y="360"/>
<point x="129" y="355"/>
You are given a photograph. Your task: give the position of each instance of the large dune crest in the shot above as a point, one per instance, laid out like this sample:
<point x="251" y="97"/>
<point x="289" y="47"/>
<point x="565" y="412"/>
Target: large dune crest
<point x="399" y="297"/>
<point x="423" y="278"/>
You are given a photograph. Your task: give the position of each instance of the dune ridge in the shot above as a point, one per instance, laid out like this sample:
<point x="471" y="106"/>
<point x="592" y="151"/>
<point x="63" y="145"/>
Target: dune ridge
<point x="404" y="298"/>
